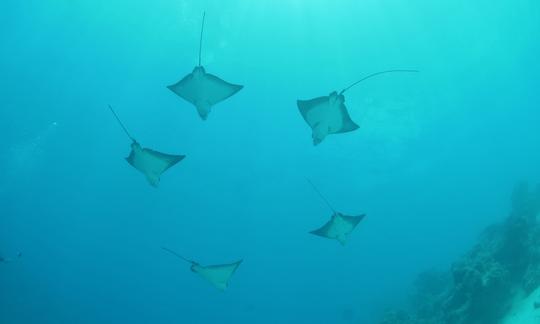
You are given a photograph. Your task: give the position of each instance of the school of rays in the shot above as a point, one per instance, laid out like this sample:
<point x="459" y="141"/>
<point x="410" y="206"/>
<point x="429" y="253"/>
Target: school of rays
<point x="325" y="115"/>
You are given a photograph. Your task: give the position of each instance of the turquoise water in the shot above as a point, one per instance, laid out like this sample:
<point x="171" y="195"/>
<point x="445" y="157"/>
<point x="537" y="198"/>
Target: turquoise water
<point x="433" y="163"/>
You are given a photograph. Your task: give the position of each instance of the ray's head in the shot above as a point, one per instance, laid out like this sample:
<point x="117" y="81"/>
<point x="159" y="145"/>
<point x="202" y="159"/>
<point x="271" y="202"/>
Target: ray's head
<point x="317" y="138"/>
<point x="194" y="267"/>
<point x="336" y="98"/>
<point x="199" y="71"/>
<point x="153" y="179"/>
<point x="136" y="146"/>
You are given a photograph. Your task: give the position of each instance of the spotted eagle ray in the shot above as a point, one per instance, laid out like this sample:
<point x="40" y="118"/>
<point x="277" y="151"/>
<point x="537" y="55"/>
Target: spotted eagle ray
<point x="218" y="275"/>
<point x="203" y="89"/>
<point x="340" y="226"/>
<point x="8" y="260"/>
<point x="328" y="114"/>
<point x="151" y="163"/>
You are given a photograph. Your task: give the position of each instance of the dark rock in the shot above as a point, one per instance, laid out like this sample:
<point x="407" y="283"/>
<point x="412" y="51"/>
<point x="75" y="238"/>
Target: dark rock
<point x="480" y="286"/>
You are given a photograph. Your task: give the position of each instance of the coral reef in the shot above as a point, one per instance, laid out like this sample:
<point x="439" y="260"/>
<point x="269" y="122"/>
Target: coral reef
<point x="479" y="288"/>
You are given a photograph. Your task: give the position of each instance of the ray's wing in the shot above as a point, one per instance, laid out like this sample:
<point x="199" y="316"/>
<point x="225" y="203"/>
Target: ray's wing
<point x="164" y="161"/>
<point x="216" y="90"/>
<point x="186" y="88"/>
<point x="219" y="275"/>
<point x="353" y="220"/>
<point x="307" y="106"/>
<point x="323" y="231"/>
<point x="131" y="158"/>
<point x="344" y="226"/>
<point x="348" y="124"/>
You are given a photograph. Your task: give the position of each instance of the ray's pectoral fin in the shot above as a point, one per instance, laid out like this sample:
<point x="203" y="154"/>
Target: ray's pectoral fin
<point x="354" y="220"/>
<point x="218" y="89"/>
<point x="323" y="231"/>
<point x="217" y="275"/>
<point x="348" y="125"/>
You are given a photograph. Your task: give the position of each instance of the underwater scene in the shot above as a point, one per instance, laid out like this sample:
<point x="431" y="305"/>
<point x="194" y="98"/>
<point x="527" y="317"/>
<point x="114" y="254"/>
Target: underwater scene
<point x="270" y="161"/>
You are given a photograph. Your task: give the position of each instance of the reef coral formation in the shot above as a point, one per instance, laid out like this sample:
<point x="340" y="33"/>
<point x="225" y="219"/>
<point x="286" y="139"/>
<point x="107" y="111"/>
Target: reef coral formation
<point x="480" y="287"/>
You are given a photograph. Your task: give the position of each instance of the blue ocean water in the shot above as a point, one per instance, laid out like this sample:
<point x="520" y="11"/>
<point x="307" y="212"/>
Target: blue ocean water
<point x="433" y="163"/>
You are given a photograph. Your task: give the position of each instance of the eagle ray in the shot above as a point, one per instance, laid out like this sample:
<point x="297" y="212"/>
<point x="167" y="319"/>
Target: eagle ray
<point x="202" y="89"/>
<point x="340" y="226"/>
<point x="328" y="114"/>
<point x="218" y="275"/>
<point x="149" y="162"/>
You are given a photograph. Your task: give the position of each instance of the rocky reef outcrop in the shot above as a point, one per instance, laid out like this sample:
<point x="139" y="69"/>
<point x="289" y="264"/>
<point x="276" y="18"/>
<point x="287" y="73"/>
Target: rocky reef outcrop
<point x="479" y="288"/>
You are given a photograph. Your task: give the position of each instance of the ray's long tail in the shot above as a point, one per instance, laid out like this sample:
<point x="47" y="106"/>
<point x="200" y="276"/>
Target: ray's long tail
<point x="200" y="39"/>
<point x="375" y="74"/>
<point x="321" y="195"/>
<point x="177" y="255"/>
<point x="121" y="124"/>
